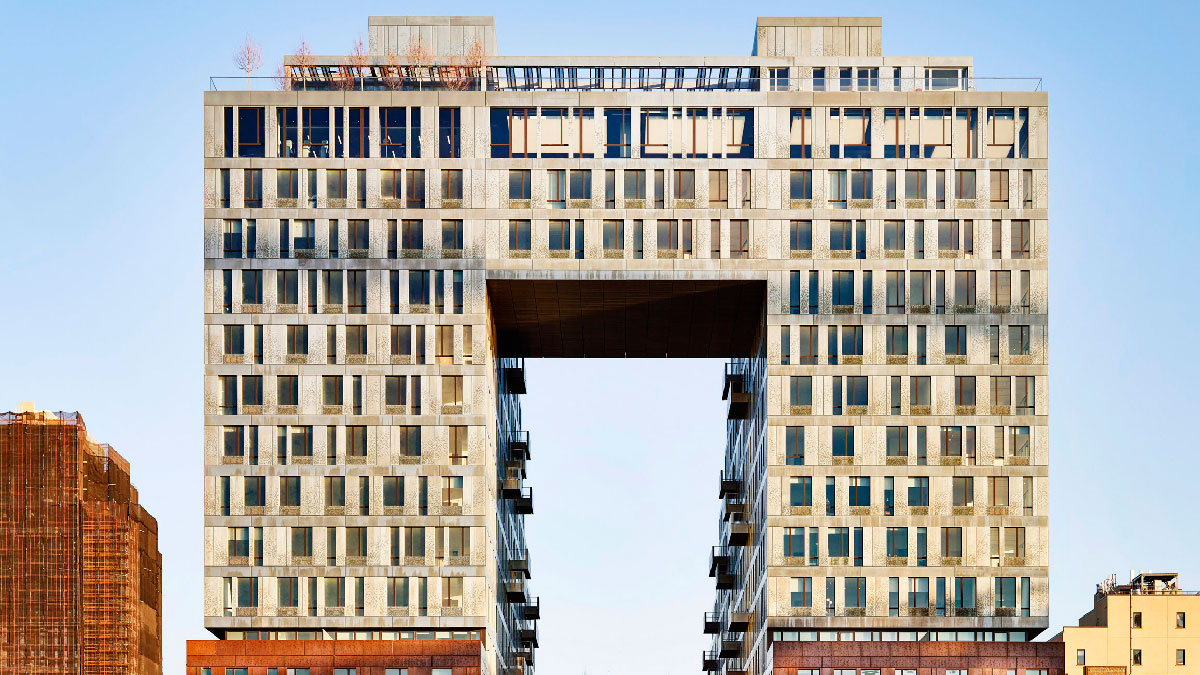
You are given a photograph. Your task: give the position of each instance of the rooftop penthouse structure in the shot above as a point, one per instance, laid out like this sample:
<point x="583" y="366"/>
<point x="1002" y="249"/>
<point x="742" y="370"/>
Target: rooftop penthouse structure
<point x="388" y="234"/>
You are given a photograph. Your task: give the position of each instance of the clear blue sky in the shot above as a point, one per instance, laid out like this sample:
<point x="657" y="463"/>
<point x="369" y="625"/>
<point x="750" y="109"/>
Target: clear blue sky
<point x="101" y="189"/>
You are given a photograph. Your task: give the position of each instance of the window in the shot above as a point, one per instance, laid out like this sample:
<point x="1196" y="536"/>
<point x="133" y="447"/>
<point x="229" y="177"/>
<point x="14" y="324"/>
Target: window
<point x="560" y="235"/>
<point x="841" y="235"/>
<point x="1180" y="620"/>
<point x="616" y="133"/>
<point x="837" y="189"/>
<point x="449" y="132"/>
<point x="800" y="491"/>
<point x="860" y="491"/>
<point x="1000" y="135"/>
<point x="286" y="119"/>
<point x="1137" y="657"/>
<point x="390" y="184"/>
<point x="718" y="188"/>
<point x="800" y="133"/>
<point x="741" y="127"/>
<point x="856" y="592"/>
<point x="556" y="188"/>
<point x="860" y="184"/>
<point x="518" y="184"/>
<point x="395" y="132"/>
<point x="800" y="237"/>
<point x="1019" y="236"/>
<point x="962" y="490"/>
<point x="1024" y="395"/>
<point x="918" y="592"/>
<point x="1180" y="657"/>
<point x="893" y="235"/>
<point x="287" y="183"/>
<point x="999" y="188"/>
<point x="452" y="235"/>
<point x="1006" y="592"/>
<point x="794" y="446"/>
<point x="518" y="235"/>
<point x="856" y="133"/>
<point x="964" y="390"/>
<point x="613" y="235"/>
<point x="635" y="184"/>
<point x="801" y="593"/>
<point x="1027" y="188"/>
<point x="685" y="184"/>
<point x="739" y="238"/>
<point x="843" y="441"/>
<point x="897" y="441"/>
<point x="316" y="132"/>
<point x="452" y="185"/>
<point x="800" y="185"/>
<point x="956" y="340"/>
<point x="918" y="491"/>
<point x="359" y="132"/>
<point x="654" y="132"/>
<point x="414" y="189"/>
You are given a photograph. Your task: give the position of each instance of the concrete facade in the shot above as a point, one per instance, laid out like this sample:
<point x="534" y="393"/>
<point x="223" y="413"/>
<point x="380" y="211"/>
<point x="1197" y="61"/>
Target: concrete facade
<point x="1147" y="626"/>
<point x="880" y="210"/>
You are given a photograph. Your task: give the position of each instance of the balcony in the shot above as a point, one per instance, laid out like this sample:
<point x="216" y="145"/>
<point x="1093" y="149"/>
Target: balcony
<point x="515" y="468"/>
<point x="514" y="590"/>
<point x="532" y="609"/>
<point x="736" y="667"/>
<point x="730" y="486"/>
<point x="734" y="509"/>
<point x="739" y="622"/>
<point x="519" y="564"/>
<point x="712" y="623"/>
<point x="712" y="663"/>
<point x="510" y="488"/>
<point x="522" y="502"/>
<point x="514" y="376"/>
<point x="735" y="391"/>
<point x="528" y="634"/>
<point x="718" y="560"/>
<point x="731" y="645"/>
<point x="518" y="445"/>
<point x="739" y="534"/>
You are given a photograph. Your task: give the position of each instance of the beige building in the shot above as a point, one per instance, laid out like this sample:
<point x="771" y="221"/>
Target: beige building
<point x="865" y="236"/>
<point x="1148" y="626"/>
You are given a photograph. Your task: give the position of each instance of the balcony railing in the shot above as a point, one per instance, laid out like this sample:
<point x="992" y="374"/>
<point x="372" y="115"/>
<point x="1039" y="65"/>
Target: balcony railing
<point x="514" y="376"/>
<point x="532" y="609"/>
<point x="712" y="623"/>
<point x="519" y="563"/>
<point x="711" y="661"/>
<point x="518" y="445"/>
<point x="730" y="486"/>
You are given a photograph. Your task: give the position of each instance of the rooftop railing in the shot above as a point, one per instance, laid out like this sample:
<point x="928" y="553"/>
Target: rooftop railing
<point x="373" y="78"/>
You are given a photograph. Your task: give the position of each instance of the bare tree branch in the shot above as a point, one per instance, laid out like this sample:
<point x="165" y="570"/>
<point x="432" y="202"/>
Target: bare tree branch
<point x="248" y="58"/>
<point x="304" y="61"/>
<point x="477" y="61"/>
<point x="393" y="76"/>
<point x="356" y="63"/>
<point x="419" y="59"/>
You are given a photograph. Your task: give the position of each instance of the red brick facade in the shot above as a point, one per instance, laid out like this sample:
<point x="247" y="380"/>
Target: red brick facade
<point x="927" y="658"/>
<point x="368" y="657"/>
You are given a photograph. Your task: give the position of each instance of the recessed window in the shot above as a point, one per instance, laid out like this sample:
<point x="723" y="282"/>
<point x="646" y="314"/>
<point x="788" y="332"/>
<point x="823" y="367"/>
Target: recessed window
<point x="1180" y="657"/>
<point x="1137" y="657"/>
<point x="1180" y="620"/>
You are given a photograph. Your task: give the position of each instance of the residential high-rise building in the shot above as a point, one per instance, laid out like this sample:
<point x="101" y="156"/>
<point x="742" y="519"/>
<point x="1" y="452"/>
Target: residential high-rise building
<point x="1149" y="625"/>
<point x="80" y="571"/>
<point x="391" y="232"/>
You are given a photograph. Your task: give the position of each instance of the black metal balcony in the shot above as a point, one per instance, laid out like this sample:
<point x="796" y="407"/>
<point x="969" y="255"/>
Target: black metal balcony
<point x="712" y="623"/>
<point x="739" y="622"/>
<point x="736" y="667"/>
<point x="518" y="445"/>
<point x="532" y="609"/>
<point x="519" y="564"/>
<point x="735" y="391"/>
<point x="718" y="560"/>
<point x="522" y="502"/>
<point x="528" y="634"/>
<point x="734" y="509"/>
<point x="730" y="487"/>
<point x="712" y="662"/>
<point x="514" y="590"/>
<point x="510" y="488"/>
<point x="514" y="376"/>
<point x="515" y="468"/>
<point x="739" y="534"/>
<point x="731" y="645"/>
